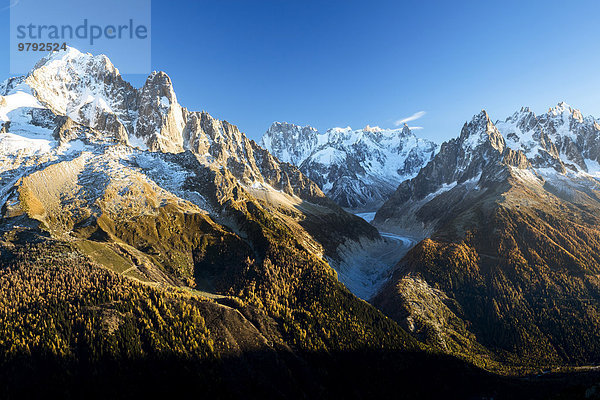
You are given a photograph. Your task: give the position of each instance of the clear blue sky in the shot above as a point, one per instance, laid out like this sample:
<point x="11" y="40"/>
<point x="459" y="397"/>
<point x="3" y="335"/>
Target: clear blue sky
<point x="339" y="63"/>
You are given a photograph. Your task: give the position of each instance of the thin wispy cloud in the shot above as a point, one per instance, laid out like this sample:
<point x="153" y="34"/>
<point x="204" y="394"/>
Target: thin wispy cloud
<point x="413" y="117"/>
<point x="415" y="128"/>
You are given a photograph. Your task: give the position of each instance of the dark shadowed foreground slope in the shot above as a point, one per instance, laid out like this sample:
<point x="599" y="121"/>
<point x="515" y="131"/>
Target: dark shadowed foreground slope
<point x="73" y="329"/>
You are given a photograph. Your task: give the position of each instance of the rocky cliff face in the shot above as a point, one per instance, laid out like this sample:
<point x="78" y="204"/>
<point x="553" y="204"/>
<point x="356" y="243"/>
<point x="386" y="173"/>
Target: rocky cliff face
<point x="160" y="118"/>
<point x="358" y="169"/>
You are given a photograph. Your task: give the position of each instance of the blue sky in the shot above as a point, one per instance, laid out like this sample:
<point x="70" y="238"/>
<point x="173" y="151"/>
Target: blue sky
<point x="339" y="63"/>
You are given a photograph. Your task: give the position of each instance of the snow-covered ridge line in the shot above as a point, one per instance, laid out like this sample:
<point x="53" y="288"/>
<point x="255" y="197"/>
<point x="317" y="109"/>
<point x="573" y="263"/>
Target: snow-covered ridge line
<point x="560" y="147"/>
<point x="70" y="95"/>
<point x="359" y="168"/>
<point x="562" y="138"/>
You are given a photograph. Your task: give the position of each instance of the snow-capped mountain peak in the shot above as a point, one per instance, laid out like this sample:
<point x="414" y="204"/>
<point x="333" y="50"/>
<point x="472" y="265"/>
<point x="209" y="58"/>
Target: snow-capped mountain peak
<point x="89" y="90"/>
<point x="373" y="129"/>
<point x="69" y="79"/>
<point x="74" y="102"/>
<point x="480" y="131"/>
<point x="73" y="60"/>
<point x="291" y="143"/>
<point x="562" y="138"/>
<point x="86" y="88"/>
<point x="562" y="108"/>
<point x="357" y="168"/>
<point x="560" y="147"/>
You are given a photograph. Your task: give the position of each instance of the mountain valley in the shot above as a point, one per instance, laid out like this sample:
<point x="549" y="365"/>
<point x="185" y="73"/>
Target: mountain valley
<point x="147" y="249"/>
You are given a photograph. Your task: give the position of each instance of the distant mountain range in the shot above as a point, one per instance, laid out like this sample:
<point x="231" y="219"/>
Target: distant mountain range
<point x="358" y="169"/>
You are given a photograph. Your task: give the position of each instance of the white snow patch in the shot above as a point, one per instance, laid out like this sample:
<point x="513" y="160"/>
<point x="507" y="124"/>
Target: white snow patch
<point x="15" y="144"/>
<point x="367" y="216"/>
<point x="164" y="102"/>
<point x="444" y="188"/>
<point x="73" y="147"/>
<point x="593" y="167"/>
<point x="137" y="142"/>
<point x="328" y="156"/>
<point x="16" y="100"/>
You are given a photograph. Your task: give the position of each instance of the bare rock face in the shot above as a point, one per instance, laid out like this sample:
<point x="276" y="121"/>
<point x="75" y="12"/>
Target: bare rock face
<point x="221" y="140"/>
<point x="160" y="119"/>
<point x="194" y="137"/>
<point x="214" y="141"/>
<point x="66" y="129"/>
<point x="516" y="159"/>
<point x="111" y="125"/>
